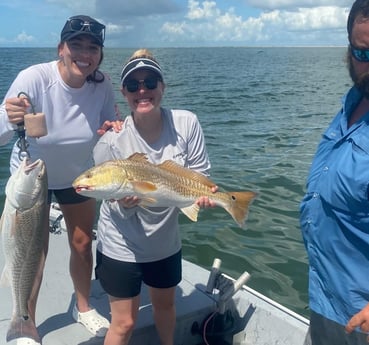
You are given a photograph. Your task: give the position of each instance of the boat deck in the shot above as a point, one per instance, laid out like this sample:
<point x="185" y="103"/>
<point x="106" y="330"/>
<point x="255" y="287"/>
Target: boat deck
<point x="258" y="320"/>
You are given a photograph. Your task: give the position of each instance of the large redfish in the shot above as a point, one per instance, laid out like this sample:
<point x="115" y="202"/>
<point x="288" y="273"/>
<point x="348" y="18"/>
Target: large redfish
<point x="21" y="225"/>
<point x="163" y="185"/>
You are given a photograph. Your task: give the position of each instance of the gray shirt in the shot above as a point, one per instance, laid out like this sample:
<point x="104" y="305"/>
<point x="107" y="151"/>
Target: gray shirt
<point x="148" y="234"/>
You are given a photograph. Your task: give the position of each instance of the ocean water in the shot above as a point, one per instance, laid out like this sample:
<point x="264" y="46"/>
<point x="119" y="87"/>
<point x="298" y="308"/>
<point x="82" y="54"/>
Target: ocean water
<point x="263" y="111"/>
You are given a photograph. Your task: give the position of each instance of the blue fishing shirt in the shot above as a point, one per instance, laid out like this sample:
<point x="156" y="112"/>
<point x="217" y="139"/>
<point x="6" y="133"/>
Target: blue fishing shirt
<point x="334" y="217"/>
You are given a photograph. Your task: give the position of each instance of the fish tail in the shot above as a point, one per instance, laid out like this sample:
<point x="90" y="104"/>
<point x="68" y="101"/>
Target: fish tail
<point x="239" y="206"/>
<point x="22" y="327"/>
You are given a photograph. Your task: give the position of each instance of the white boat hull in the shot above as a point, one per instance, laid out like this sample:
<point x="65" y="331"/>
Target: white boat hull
<point x="249" y="317"/>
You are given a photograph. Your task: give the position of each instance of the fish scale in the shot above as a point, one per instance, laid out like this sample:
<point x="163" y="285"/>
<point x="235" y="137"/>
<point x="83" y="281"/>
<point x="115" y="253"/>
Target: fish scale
<point x="174" y="183"/>
<point x="25" y="259"/>
<point x="159" y="185"/>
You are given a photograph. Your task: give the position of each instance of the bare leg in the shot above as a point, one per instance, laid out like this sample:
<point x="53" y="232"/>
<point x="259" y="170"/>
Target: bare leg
<point x="80" y="219"/>
<point x="123" y="317"/>
<point x="164" y="313"/>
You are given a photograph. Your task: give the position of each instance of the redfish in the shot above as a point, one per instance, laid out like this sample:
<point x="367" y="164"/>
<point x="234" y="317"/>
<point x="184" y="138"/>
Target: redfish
<point x="159" y="185"/>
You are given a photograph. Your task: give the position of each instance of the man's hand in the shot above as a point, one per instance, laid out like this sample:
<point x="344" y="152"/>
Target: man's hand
<point x="361" y="320"/>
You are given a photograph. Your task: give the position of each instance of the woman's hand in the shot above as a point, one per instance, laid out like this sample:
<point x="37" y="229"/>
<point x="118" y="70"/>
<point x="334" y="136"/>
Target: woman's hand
<point x="16" y="108"/>
<point x="129" y="201"/>
<point x="205" y="202"/>
<point x="107" y="125"/>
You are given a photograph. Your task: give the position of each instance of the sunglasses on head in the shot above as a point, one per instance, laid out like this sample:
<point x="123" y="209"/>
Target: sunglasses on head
<point x="82" y="25"/>
<point x="361" y="55"/>
<point x="150" y="83"/>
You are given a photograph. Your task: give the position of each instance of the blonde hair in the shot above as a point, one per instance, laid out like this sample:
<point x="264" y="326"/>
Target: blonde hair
<point x="142" y="53"/>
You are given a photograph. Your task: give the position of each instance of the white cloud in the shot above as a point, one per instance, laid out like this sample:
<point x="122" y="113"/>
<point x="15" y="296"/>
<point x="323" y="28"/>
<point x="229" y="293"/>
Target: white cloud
<point x="114" y="28"/>
<point x="24" y="38"/>
<point x="205" y="22"/>
<point x="174" y="28"/>
<point x="306" y="18"/>
<point x="208" y="10"/>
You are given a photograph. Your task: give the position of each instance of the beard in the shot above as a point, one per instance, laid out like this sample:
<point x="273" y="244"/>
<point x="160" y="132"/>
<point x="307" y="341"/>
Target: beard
<point x="361" y="81"/>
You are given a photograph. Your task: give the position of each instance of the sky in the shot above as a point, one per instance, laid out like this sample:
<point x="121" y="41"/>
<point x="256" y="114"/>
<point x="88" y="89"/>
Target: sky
<point x="181" y="23"/>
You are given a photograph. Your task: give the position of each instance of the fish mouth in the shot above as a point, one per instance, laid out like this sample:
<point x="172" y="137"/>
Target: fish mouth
<point x="80" y="188"/>
<point x="29" y="165"/>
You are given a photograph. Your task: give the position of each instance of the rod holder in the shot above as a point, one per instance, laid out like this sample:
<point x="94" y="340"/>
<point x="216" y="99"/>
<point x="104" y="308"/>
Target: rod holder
<point x="213" y="275"/>
<point x="231" y="291"/>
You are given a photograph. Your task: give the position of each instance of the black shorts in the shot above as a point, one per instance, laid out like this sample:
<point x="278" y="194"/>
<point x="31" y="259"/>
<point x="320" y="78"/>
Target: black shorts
<point x="66" y="196"/>
<point x="123" y="279"/>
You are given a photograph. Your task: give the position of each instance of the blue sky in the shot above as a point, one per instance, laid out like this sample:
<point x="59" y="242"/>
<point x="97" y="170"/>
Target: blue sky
<point x="181" y="23"/>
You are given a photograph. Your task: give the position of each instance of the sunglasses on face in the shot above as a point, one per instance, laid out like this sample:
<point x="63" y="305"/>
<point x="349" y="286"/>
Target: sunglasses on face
<point x="81" y="25"/>
<point x="361" y="55"/>
<point x="150" y="83"/>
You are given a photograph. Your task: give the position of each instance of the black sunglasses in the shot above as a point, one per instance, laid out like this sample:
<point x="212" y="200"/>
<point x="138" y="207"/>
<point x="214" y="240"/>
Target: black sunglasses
<point x="133" y="85"/>
<point x="82" y="25"/>
<point x="361" y="55"/>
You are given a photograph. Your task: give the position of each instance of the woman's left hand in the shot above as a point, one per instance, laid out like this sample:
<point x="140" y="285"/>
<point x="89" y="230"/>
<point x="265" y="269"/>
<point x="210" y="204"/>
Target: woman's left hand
<point x="107" y="125"/>
<point x="205" y="202"/>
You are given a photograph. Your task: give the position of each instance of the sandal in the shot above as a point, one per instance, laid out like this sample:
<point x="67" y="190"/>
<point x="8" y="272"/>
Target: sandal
<point x="26" y="341"/>
<point x="92" y="320"/>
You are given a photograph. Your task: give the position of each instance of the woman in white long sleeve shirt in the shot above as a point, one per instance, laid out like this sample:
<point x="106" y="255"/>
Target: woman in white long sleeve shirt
<point x="78" y="102"/>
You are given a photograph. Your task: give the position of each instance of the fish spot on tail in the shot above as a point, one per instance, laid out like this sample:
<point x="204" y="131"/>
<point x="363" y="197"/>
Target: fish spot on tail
<point x="240" y="206"/>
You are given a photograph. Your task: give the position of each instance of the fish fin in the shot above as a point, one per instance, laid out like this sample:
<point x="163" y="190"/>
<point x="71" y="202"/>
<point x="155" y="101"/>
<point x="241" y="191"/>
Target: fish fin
<point x="143" y="186"/>
<point x="4" y="280"/>
<point x="239" y="206"/>
<point x="177" y="169"/>
<point x="22" y="327"/>
<point x="138" y="157"/>
<point x="191" y="211"/>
